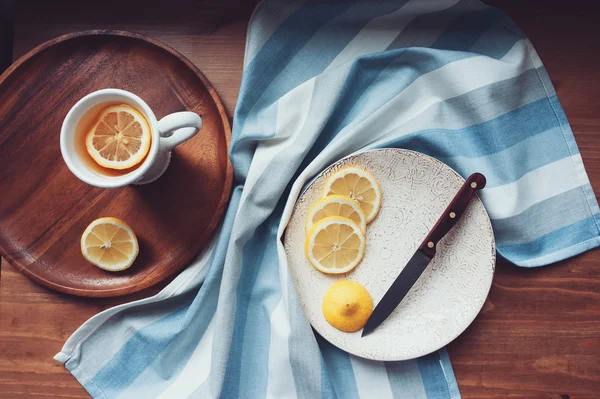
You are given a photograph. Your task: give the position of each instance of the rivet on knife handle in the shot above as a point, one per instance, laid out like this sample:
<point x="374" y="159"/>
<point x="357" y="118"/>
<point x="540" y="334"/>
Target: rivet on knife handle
<point x="452" y="213"/>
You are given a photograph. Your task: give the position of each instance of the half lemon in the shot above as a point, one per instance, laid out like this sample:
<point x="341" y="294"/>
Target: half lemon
<point x="110" y="244"/>
<point x="347" y="305"/>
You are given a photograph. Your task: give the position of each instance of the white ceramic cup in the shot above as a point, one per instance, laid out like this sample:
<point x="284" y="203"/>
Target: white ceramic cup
<point x="167" y="134"/>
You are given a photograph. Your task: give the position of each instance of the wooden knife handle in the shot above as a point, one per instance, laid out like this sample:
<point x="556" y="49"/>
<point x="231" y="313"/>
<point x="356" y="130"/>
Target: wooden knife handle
<point x="452" y="213"/>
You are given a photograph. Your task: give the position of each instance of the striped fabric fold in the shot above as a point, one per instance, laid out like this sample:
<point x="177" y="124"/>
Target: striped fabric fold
<point x="454" y="79"/>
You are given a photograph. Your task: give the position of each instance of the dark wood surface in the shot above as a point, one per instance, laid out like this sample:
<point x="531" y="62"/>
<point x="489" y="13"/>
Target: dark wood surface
<point x="6" y="33"/>
<point x="46" y="208"/>
<point x="538" y="335"/>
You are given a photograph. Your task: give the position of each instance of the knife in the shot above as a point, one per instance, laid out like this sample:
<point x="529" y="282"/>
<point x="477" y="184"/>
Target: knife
<point x="424" y="254"/>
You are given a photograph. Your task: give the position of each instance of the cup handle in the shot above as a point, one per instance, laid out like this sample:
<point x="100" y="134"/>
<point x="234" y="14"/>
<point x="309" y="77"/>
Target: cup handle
<point x="178" y="127"/>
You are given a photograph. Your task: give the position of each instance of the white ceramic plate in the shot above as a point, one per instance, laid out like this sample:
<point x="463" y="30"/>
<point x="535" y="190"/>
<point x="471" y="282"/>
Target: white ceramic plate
<point x="451" y="291"/>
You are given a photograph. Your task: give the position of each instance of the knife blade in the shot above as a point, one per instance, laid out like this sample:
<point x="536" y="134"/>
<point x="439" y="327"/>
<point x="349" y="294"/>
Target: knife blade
<point x="424" y="254"/>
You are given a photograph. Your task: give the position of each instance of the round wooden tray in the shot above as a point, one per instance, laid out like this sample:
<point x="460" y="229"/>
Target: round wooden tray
<point x="44" y="208"/>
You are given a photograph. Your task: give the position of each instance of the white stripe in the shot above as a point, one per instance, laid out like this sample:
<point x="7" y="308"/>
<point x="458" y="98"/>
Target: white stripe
<point x="371" y="378"/>
<point x="196" y="370"/>
<point x="537" y="62"/>
<point x="263" y="24"/>
<point x="380" y="32"/>
<point x="280" y="379"/>
<point x="561" y="254"/>
<point x="406" y="379"/>
<point x="538" y="185"/>
<point x="292" y="111"/>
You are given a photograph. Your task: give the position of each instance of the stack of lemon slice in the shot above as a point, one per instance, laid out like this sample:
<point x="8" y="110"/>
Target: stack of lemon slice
<point x="337" y="224"/>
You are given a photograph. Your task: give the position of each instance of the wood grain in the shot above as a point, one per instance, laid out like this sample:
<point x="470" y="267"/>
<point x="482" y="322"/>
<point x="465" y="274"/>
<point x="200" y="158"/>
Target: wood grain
<point x="34" y="324"/>
<point x="47" y="208"/>
<point x="539" y="333"/>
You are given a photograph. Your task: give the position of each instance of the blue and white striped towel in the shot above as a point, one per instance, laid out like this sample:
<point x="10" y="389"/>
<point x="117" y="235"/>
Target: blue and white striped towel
<point x="453" y="79"/>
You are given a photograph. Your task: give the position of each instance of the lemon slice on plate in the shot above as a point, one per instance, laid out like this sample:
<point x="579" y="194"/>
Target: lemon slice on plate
<point x="336" y="205"/>
<point x="359" y="185"/>
<point x="110" y="244"/>
<point x="347" y="305"/>
<point x="335" y="245"/>
<point x="120" y="139"/>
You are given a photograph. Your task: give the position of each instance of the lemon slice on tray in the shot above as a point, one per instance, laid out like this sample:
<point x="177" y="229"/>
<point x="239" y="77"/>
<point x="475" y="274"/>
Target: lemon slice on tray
<point x="336" y="205"/>
<point x="335" y="245"/>
<point x="110" y="244"/>
<point x="120" y="139"/>
<point x="359" y="185"/>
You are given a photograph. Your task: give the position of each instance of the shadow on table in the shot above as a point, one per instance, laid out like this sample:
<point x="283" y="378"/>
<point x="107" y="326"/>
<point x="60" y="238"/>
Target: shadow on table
<point x="7" y="12"/>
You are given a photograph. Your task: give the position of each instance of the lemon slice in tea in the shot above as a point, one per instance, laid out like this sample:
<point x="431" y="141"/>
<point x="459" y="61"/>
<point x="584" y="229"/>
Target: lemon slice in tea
<point x="120" y="139"/>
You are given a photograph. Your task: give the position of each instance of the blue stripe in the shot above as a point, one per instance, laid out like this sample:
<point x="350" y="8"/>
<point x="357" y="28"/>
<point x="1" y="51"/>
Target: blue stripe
<point x="449" y="374"/>
<point x="485" y="138"/>
<point x="415" y="33"/>
<point x="138" y="353"/>
<point x="511" y="26"/>
<point x="258" y="293"/>
<point x="433" y="376"/>
<point x="568" y="208"/>
<point x="327" y="391"/>
<point x="496" y="42"/>
<point x="466" y="29"/>
<point x="258" y="125"/>
<point x="305" y="357"/>
<point x="338" y="370"/>
<point x="559" y="113"/>
<point x="511" y="164"/>
<point x="555" y="241"/>
<point x="375" y="79"/>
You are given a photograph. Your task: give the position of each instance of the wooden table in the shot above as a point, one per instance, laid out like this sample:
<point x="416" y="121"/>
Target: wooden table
<point x="538" y="335"/>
